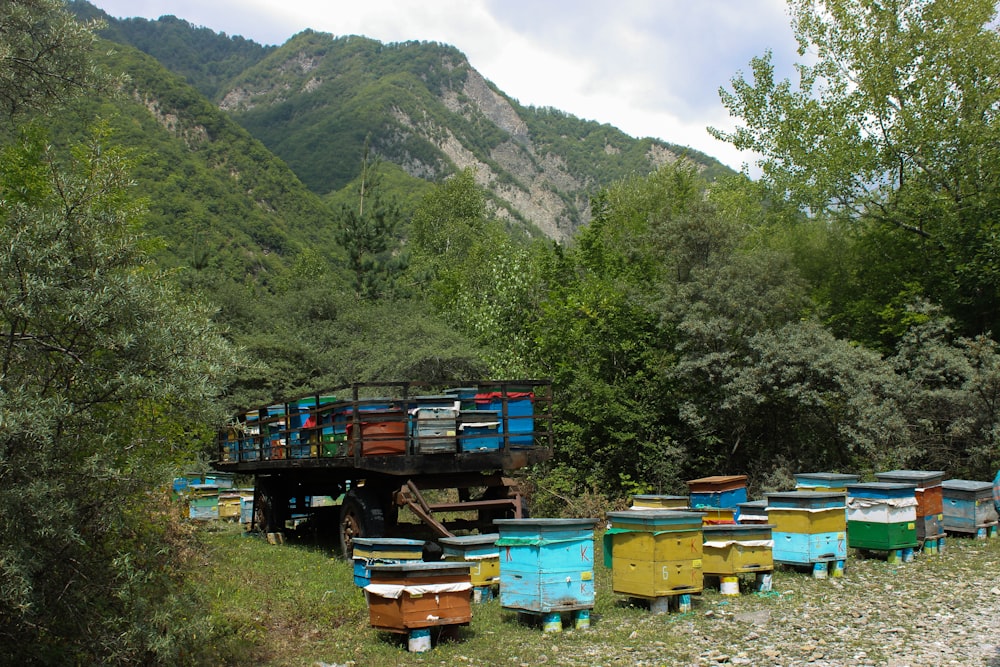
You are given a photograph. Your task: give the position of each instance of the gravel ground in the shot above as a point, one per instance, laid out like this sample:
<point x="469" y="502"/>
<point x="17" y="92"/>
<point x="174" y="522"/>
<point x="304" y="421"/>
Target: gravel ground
<point x="940" y="609"/>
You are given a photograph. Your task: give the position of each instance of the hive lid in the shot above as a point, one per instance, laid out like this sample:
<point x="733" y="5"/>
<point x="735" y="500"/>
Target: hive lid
<point x="545" y="523"/>
<point x="805" y="495"/>
<point x="965" y="485"/>
<point x="717" y="483"/>
<point x="918" y="477"/>
<point x="470" y="540"/>
<point x="827" y="477"/>
<point x="387" y="542"/>
<point x="880" y="489"/>
<point x="665" y="516"/>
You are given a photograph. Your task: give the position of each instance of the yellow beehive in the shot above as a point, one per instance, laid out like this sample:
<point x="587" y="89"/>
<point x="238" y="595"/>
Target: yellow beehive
<point x="792" y="520"/>
<point x="732" y="550"/>
<point x="651" y="579"/>
<point x="659" y="502"/>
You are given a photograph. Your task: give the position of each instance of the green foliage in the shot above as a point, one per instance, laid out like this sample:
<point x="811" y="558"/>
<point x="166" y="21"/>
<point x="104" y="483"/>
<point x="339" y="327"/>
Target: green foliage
<point x="100" y="351"/>
<point x="890" y="130"/>
<point x="43" y="61"/>
<point x="369" y="231"/>
<point x="108" y="374"/>
<point x="205" y="58"/>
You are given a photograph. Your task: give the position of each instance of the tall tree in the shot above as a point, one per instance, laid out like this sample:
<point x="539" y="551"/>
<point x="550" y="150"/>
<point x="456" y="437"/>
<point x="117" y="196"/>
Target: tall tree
<point x="369" y="232"/>
<point x="107" y="377"/>
<point x="892" y="129"/>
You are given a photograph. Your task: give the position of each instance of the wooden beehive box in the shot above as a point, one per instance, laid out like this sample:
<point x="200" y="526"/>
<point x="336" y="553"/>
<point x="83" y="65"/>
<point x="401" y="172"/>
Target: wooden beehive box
<point x="480" y="552"/>
<point x="229" y="505"/>
<point x="809" y="526"/>
<point x="824" y="481"/>
<point x="719" y="491"/>
<point x="655" y="553"/>
<point x="546" y="565"/>
<point x="414" y="594"/>
<point x="737" y="549"/>
<point x="968" y="505"/>
<point x="881" y="516"/>
<point x="203" y="502"/>
<point x="927" y="486"/>
<point x="809" y="512"/>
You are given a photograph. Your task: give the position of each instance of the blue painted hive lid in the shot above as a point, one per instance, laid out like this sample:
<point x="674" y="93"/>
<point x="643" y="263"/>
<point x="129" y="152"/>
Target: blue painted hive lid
<point x="880" y="490"/>
<point x="470" y="540"/>
<point x="922" y="478"/>
<point x="968" y="485"/>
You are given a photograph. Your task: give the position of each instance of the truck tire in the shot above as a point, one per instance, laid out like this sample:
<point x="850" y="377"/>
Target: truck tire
<point x="361" y="515"/>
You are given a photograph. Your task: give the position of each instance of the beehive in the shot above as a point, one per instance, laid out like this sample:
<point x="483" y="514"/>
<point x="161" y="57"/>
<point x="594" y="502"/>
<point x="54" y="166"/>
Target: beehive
<point x="881" y="516"/>
<point x="229" y="505"/>
<point x="659" y="502"/>
<point x="968" y="506"/>
<point x="737" y="549"/>
<point x="546" y="565"/>
<point x="480" y="552"/>
<point x="203" y="502"/>
<point x="809" y="526"/>
<point x="409" y="595"/>
<point x="929" y="495"/>
<point x="720" y="491"/>
<point x="655" y="553"/>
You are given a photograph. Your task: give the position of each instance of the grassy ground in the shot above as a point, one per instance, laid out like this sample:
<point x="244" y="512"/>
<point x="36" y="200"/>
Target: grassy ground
<point x="295" y="605"/>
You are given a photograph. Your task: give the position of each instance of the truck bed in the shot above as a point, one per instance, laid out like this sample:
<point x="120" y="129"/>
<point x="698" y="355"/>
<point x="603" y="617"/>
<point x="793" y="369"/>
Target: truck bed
<point x="398" y="428"/>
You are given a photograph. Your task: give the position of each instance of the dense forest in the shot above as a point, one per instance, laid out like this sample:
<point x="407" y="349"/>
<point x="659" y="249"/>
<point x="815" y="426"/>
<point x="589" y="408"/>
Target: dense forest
<point x="161" y="266"/>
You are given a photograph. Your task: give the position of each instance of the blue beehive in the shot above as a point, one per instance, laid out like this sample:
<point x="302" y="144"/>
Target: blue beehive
<point x="719" y="492"/>
<point x="518" y="407"/>
<point x="478" y="430"/>
<point x="968" y="507"/>
<point x="809" y="529"/>
<point x="546" y="565"/>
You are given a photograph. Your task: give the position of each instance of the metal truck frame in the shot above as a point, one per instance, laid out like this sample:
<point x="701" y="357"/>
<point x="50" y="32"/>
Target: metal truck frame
<point x="380" y="446"/>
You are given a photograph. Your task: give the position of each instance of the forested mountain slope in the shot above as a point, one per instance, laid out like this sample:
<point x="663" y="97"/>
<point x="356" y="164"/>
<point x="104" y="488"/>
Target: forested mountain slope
<point x="315" y="100"/>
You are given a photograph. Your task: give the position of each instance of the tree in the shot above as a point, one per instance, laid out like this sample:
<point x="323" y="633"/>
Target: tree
<point x="108" y="377"/>
<point x="893" y="130"/>
<point x="369" y="233"/>
<point x="44" y="56"/>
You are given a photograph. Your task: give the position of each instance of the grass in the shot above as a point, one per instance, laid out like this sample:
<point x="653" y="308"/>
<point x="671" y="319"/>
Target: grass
<point x="296" y="605"/>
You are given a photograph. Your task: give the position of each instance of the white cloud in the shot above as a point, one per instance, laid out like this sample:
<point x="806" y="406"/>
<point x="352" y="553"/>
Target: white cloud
<point x="649" y="67"/>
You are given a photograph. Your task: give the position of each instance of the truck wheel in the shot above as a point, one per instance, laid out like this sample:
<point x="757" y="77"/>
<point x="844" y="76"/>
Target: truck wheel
<point x="361" y="515"/>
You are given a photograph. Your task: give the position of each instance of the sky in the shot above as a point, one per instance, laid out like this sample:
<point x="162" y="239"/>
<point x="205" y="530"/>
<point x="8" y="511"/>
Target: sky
<point x="651" y="68"/>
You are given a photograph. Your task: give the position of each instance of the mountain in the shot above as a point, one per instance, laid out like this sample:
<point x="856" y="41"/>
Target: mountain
<point x="316" y="100"/>
<point x="225" y="207"/>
